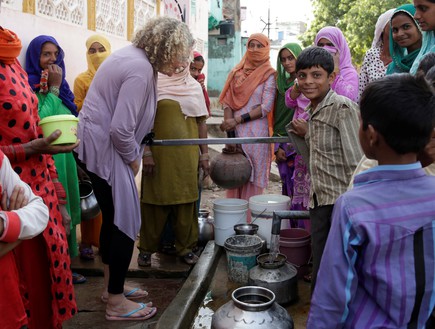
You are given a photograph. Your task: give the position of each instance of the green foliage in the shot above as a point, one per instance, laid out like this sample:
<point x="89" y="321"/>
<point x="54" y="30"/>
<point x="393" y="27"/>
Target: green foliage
<point x="356" y="18"/>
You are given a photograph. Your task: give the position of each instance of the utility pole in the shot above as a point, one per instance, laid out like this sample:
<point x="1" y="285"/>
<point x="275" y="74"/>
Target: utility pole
<point x="268" y="24"/>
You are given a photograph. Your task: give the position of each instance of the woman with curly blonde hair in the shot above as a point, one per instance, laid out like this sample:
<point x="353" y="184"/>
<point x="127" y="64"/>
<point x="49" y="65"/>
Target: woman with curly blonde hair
<point x="116" y="117"/>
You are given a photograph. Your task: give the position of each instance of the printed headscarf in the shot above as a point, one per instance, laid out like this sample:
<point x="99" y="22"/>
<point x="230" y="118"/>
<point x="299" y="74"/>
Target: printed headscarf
<point x="336" y="37"/>
<point x="34" y="71"/>
<point x="248" y="74"/>
<point x="95" y="60"/>
<point x="402" y="61"/>
<point x="10" y="46"/>
<point x="282" y="76"/>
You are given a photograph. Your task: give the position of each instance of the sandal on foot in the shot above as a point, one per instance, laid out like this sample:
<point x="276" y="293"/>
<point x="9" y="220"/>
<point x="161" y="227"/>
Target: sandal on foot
<point x="87" y="254"/>
<point x="144" y="259"/>
<point x="135" y="293"/>
<point x="190" y="258"/>
<point x="78" y="278"/>
<point x="130" y="316"/>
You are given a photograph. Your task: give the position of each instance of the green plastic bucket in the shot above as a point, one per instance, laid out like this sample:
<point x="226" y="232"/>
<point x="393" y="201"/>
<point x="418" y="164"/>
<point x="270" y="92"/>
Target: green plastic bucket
<point x="67" y="123"/>
<point x="242" y="251"/>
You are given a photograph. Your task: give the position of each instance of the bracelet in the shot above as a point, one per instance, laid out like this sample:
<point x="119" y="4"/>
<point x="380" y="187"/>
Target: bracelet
<point x="54" y="90"/>
<point x="245" y="117"/>
<point x="12" y="152"/>
<point x="204" y="156"/>
<point x="60" y="191"/>
<point x="20" y="153"/>
<point x="61" y="201"/>
<point x="147" y="154"/>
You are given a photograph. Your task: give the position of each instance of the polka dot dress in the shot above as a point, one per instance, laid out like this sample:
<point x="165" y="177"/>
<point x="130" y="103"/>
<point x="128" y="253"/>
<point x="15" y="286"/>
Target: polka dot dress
<point x="48" y="252"/>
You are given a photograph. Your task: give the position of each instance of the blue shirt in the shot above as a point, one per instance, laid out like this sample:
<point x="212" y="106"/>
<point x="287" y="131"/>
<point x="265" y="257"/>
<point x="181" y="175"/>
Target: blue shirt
<point x="377" y="270"/>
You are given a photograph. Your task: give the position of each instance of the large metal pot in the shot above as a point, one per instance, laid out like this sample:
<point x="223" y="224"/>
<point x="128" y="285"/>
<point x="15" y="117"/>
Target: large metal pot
<point x="272" y="272"/>
<point x="252" y="308"/>
<point x="205" y="227"/>
<point x="88" y="202"/>
<point x="230" y="170"/>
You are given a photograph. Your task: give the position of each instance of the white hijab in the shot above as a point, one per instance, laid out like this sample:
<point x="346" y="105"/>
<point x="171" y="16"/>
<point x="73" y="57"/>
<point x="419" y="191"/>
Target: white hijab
<point x="382" y="21"/>
<point x="185" y="90"/>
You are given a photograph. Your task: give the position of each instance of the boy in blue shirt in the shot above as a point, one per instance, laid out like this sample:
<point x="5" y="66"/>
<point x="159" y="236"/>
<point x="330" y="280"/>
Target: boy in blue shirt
<point x="378" y="268"/>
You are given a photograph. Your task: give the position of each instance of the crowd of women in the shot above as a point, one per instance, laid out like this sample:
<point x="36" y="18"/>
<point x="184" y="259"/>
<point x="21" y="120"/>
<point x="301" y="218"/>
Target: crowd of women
<point x="121" y="109"/>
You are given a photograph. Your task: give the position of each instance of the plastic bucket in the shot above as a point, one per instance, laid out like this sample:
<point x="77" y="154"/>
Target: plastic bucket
<point x="66" y="123"/>
<point x="262" y="208"/>
<point x="227" y="213"/>
<point x="295" y="244"/>
<point x="242" y="252"/>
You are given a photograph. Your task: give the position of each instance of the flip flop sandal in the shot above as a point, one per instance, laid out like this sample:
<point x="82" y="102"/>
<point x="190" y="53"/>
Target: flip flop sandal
<point x="130" y="316"/>
<point x="133" y="294"/>
<point x="78" y="278"/>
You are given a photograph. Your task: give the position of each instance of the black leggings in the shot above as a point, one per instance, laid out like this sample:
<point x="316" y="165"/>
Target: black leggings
<point x="116" y="247"/>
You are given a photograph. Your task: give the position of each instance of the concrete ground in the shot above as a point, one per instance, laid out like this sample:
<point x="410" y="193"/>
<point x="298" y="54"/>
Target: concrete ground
<point x="186" y="297"/>
<point x="178" y="290"/>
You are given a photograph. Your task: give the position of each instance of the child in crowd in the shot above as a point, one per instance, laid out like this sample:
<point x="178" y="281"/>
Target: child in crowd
<point x="331" y="134"/>
<point x="196" y="67"/>
<point x="23" y="215"/>
<point x="378" y="263"/>
<point x="292" y="168"/>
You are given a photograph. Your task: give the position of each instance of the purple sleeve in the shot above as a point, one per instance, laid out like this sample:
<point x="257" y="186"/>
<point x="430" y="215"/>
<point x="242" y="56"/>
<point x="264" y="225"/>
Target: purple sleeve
<point x="337" y="277"/>
<point x="346" y="86"/>
<point x="290" y="102"/>
<point x="132" y="96"/>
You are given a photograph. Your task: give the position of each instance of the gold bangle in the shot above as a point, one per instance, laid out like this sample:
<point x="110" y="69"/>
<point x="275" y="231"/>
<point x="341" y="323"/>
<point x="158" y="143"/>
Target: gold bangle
<point x="54" y="90"/>
<point x="147" y="154"/>
<point x="204" y="156"/>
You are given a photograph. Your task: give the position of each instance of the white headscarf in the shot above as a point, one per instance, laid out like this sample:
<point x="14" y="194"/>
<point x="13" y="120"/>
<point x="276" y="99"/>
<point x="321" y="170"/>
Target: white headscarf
<point x="184" y="89"/>
<point x="382" y="21"/>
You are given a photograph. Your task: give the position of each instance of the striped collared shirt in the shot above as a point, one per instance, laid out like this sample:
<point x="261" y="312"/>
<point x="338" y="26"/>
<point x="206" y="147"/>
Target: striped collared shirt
<point x="378" y="269"/>
<point x="333" y="142"/>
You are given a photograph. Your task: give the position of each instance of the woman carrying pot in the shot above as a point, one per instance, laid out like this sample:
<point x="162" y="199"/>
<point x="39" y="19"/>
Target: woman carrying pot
<point x="247" y="98"/>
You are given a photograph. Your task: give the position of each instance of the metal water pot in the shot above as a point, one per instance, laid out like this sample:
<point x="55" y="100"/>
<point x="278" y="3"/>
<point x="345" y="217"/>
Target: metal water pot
<point x="205" y="227"/>
<point x="252" y="308"/>
<point x="88" y="202"/>
<point x="230" y="169"/>
<point x="275" y="274"/>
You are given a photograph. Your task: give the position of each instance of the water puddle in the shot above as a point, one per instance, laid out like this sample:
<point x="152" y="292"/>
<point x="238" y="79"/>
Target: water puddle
<point x="204" y="316"/>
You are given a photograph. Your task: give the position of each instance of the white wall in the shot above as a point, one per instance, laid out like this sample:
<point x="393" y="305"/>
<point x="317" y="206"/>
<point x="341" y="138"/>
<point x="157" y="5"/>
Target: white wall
<point x="72" y="38"/>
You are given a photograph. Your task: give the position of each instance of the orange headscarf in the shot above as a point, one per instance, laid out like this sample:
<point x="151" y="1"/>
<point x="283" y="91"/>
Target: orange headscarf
<point x="253" y="69"/>
<point x="10" y="46"/>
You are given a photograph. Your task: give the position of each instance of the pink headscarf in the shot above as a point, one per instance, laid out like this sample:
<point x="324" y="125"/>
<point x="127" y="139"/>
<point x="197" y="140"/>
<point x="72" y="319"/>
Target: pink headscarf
<point x="347" y="71"/>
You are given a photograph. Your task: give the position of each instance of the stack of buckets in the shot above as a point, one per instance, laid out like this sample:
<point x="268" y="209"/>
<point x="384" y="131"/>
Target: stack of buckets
<point x="227" y="213"/>
<point x="241" y="250"/>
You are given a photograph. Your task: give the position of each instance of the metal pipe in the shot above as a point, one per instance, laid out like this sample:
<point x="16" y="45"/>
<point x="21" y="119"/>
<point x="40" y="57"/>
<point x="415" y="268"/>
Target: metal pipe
<point x="237" y="140"/>
<point x="286" y="214"/>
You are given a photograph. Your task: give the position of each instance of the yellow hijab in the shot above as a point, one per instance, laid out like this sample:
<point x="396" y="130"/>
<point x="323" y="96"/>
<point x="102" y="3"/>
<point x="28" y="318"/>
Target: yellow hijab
<point x="95" y="60"/>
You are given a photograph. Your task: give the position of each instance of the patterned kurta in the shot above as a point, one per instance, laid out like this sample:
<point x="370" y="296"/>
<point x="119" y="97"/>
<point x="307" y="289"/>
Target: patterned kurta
<point x="18" y="124"/>
<point x="378" y="269"/>
<point x="259" y="155"/>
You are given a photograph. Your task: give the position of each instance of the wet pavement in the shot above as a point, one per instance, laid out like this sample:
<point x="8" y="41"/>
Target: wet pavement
<point x="162" y="280"/>
<point x="186" y="297"/>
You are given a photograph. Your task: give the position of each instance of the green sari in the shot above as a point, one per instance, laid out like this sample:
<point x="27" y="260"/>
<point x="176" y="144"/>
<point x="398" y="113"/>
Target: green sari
<point x="282" y="114"/>
<point x="402" y="61"/>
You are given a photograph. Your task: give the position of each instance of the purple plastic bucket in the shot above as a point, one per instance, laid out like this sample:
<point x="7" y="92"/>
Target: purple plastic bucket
<point x="295" y="244"/>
